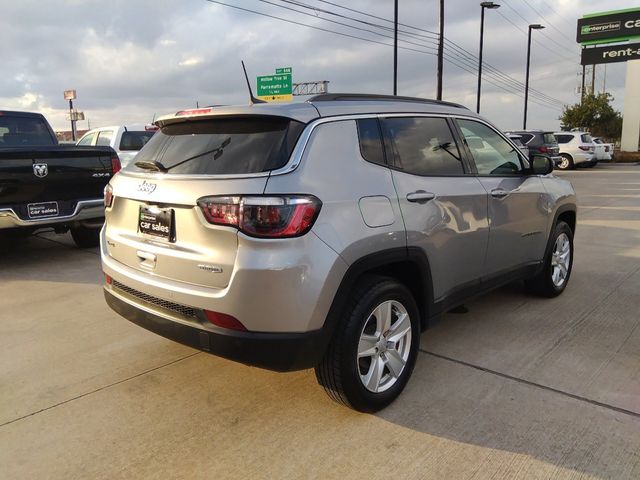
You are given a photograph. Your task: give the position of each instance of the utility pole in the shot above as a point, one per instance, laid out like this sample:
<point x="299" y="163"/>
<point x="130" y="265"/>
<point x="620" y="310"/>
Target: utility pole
<point x="582" y="89"/>
<point x="440" y="51"/>
<point x="395" y="47"/>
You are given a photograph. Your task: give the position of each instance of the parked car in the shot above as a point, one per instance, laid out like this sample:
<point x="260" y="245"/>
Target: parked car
<point x="517" y="140"/>
<point x="329" y="233"/>
<point x="47" y="185"/>
<point x="126" y="140"/>
<point x="604" y="154"/>
<point x="539" y="141"/>
<point x="576" y="148"/>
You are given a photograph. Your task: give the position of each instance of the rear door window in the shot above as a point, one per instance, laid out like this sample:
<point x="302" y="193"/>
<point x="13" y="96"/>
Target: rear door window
<point x="423" y="146"/>
<point x="564" y="138"/>
<point x="222" y="146"/>
<point x="526" y="138"/>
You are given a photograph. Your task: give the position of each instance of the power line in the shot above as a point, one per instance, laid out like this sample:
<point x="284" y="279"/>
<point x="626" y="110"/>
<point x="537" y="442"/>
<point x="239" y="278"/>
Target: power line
<point x="548" y="21"/>
<point x="454" y="62"/>
<point x="563" y="47"/>
<point x="431" y="37"/>
<point x="563" y="57"/>
<point x="312" y="26"/>
<point x="336" y="22"/>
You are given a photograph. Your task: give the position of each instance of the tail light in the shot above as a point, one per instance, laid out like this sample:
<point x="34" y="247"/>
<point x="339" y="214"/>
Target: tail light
<point x="263" y="217"/>
<point x="225" y="321"/>
<point x="543" y="149"/>
<point x="116" y="166"/>
<point x="584" y="147"/>
<point x="108" y="196"/>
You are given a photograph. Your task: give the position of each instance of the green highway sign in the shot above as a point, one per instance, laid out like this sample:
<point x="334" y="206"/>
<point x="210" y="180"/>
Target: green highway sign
<point x="278" y="87"/>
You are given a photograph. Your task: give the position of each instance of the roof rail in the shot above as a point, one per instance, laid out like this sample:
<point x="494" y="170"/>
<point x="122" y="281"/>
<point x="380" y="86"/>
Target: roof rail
<point x="346" y="97"/>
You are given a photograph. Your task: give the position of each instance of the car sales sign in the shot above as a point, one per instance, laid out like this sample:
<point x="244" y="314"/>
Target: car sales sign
<point x="608" y="27"/>
<point x="610" y="53"/>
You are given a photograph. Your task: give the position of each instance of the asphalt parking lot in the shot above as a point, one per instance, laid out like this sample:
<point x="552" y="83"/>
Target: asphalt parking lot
<point x="516" y="387"/>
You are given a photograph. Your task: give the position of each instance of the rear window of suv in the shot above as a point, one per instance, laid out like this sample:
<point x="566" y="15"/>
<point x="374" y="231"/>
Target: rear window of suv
<point x="550" y="138"/>
<point x="222" y="146"/>
<point x="586" y="138"/>
<point x="134" y="140"/>
<point x="564" y="138"/>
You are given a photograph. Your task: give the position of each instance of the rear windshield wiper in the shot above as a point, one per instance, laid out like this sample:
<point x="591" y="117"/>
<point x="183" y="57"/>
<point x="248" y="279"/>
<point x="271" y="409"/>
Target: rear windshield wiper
<point x="153" y="166"/>
<point x="217" y="153"/>
<point x="156" y="166"/>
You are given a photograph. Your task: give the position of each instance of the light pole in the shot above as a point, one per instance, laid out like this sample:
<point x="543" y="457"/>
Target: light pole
<point x="491" y="6"/>
<point x="535" y="26"/>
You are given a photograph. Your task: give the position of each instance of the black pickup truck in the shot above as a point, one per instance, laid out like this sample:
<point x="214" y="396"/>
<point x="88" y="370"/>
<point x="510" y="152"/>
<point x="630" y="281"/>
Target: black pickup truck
<point x="47" y="185"/>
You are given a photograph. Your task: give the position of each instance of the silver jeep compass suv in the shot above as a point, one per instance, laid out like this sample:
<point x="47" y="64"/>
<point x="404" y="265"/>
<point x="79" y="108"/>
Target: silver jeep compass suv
<point x="329" y="233"/>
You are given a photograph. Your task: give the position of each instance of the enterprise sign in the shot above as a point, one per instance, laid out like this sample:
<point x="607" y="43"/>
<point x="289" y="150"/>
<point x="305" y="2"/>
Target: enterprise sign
<point x="620" y="25"/>
<point x="610" y="54"/>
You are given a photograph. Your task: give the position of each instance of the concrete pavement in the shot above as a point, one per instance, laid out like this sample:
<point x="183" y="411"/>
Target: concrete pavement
<point x="517" y="387"/>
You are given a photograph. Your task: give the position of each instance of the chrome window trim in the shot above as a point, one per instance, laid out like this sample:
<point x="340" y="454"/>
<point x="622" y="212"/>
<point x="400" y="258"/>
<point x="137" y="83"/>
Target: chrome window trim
<point x="298" y="151"/>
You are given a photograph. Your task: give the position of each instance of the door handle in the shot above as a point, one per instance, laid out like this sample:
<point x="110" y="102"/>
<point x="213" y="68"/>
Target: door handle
<point x="499" y="193"/>
<point x="420" y="196"/>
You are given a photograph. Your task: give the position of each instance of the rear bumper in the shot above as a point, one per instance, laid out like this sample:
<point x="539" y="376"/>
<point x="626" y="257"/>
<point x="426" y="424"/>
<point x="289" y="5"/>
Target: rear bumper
<point x="273" y="351"/>
<point x="89" y="211"/>
<point x="583" y="157"/>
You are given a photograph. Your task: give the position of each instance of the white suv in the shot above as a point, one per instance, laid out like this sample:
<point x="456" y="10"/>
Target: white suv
<point x="575" y="148"/>
<point x="126" y="140"/>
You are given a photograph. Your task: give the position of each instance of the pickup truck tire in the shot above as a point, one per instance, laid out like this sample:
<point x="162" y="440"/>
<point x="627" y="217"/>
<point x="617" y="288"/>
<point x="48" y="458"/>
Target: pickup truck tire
<point x="553" y="278"/>
<point x="374" y="348"/>
<point x="86" y="237"/>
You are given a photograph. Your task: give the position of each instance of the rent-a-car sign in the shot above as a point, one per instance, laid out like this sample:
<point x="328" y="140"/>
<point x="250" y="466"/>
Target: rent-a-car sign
<point x="613" y="26"/>
<point x="610" y="54"/>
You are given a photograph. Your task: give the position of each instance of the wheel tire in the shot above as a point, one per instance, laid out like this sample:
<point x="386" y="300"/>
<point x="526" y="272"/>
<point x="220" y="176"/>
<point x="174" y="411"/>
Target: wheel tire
<point x="543" y="283"/>
<point x="85" y="237"/>
<point x="566" y="163"/>
<point x="340" y="372"/>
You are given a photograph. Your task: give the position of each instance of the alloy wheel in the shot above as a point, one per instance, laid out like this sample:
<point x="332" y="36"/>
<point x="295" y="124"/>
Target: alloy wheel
<point x="560" y="260"/>
<point x="384" y="346"/>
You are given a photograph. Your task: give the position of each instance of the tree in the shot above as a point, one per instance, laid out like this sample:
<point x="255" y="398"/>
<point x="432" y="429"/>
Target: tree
<point x="594" y="114"/>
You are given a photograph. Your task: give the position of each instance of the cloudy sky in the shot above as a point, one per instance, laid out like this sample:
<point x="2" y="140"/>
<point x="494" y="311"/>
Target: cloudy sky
<point x="132" y="59"/>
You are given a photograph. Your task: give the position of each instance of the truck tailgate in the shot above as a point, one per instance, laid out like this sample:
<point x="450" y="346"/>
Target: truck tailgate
<point x="62" y="174"/>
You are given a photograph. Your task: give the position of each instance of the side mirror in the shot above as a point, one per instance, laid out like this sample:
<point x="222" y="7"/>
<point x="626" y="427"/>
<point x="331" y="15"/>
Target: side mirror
<point x="541" y="165"/>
